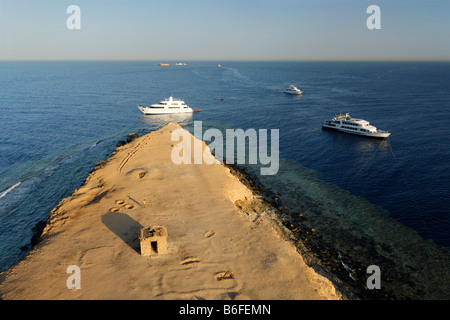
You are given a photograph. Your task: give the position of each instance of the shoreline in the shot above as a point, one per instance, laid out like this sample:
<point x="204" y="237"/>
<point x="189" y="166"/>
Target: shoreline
<point x="234" y="199"/>
<point x="275" y="212"/>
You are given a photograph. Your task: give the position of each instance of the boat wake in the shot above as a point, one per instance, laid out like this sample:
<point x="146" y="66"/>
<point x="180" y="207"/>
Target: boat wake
<point x="96" y="143"/>
<point x="4" y="193"/>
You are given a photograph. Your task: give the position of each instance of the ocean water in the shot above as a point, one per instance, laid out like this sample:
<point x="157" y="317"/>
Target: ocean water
<point x="352" y="201"/>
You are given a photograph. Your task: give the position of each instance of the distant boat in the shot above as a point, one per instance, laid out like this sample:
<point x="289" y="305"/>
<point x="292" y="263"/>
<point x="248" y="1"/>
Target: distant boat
<point x="219" y="66"/>
<point x="164" y="64"/>
<point x="293" y="90"/>
<point x="347" y="124"/>
<point x="180" y="64"/>
<point x="169" y="105"/>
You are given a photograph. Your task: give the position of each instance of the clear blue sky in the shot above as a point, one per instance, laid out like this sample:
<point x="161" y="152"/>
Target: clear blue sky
<point x="224" y="30"/>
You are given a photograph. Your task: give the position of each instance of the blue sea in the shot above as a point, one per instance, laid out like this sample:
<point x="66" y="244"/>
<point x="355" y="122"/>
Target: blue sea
<point x="351" y="201"/>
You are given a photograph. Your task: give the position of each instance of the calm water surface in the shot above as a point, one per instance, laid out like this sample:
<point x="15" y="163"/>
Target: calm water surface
<point x="370" y="202"/>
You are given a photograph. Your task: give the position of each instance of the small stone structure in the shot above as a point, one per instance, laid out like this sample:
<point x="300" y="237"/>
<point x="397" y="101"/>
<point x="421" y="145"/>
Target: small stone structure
<point x="153" y="240"/>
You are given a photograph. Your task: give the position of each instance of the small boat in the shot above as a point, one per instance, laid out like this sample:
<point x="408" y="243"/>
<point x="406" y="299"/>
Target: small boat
<point x="163" y="64"/>
<point x="293" y="90"/>
<point x="345" y="123"/>
<point x="180" y="64"/>
<point x="169" y="105"/>
<point x="222" y="99"/>
<point x="197" y="110"/>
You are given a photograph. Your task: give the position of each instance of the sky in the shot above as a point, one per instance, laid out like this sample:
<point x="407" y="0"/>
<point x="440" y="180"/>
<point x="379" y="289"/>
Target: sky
<point x="224" y="30"/>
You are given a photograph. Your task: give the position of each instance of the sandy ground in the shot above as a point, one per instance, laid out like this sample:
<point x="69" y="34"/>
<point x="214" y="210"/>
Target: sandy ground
<point x="221" y="242"/>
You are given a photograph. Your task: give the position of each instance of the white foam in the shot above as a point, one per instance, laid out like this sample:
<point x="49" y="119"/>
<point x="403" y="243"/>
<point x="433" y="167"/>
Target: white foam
<point x="4" y="193"/>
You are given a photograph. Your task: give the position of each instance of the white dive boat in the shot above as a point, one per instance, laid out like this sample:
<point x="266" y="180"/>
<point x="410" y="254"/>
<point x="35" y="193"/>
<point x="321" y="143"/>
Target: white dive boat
<point x="169" y="105"/>
<point x="293" y="90"/>
<point x="345" y="123"/>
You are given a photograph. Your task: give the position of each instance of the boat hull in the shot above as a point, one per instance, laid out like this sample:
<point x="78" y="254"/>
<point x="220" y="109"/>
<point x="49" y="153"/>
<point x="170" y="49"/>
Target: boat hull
<point x="379" y="135"/>
<point x="297" y="93"/>
<point x="154" y="111"/>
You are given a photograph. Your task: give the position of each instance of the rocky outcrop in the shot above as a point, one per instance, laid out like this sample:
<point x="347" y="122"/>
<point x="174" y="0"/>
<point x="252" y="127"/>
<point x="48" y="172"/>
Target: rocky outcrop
<point x="132" y="136"/>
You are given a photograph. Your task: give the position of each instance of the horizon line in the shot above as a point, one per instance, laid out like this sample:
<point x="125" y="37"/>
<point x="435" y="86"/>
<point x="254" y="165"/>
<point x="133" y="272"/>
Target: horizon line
<point x="238" y="60"/>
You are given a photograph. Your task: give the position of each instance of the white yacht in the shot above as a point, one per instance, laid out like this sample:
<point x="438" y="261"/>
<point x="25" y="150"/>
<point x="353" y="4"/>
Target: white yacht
<point x="169" y="105"/>
<point x="345" y="123"/>
<point x="293" y="90"/>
